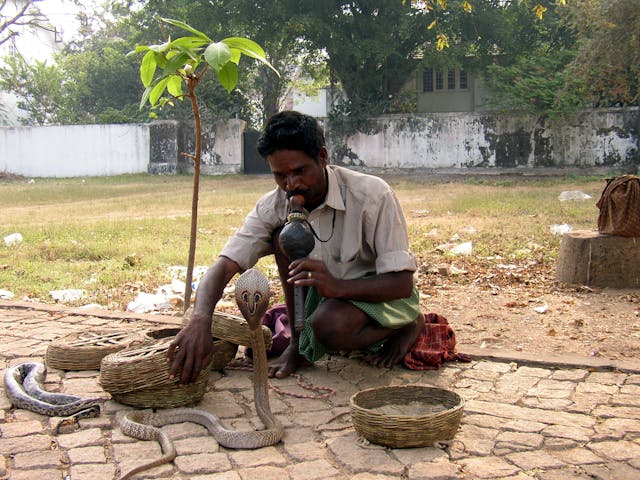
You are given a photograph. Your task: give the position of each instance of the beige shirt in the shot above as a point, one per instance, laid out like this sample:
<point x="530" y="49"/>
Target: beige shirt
<point x="369" y="234"/>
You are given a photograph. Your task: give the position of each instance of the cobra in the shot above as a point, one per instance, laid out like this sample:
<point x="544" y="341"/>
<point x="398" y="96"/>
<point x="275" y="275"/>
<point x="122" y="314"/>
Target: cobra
<point x="23" y="385"/>
<point x="252" y="296"/>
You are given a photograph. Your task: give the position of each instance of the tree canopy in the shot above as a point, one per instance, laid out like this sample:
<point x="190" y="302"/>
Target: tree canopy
<point x="15" y="16"/>
<point x="539" y="55"/>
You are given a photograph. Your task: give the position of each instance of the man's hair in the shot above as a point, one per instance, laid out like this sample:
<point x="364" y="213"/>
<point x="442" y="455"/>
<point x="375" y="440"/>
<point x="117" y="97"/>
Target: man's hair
<point x="291" y="130"/>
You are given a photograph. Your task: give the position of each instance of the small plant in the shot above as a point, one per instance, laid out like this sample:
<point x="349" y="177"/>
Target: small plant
<point x="172" y="71"/>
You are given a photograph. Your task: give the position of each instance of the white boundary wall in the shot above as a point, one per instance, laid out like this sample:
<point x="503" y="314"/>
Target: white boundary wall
<point x="599" y="138"/>
<point x="74" y="150"/>
<point x="594" y="138"/>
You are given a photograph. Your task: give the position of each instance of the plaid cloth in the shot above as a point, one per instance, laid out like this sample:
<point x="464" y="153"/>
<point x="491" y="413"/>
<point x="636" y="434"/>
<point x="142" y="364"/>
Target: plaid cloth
<point x="434" y="345"/>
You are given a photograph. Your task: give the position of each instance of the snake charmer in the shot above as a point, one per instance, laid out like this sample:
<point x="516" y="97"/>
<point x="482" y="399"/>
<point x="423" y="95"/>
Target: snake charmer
<point x="358" y="278"/>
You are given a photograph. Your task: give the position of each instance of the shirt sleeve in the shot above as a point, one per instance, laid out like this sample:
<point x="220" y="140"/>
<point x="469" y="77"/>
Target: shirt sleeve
<point x="253" y="240"/>
<point x="391" y="238"/>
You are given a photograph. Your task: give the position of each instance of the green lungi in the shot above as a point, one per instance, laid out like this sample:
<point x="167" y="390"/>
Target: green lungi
<point x="393" y="314"/>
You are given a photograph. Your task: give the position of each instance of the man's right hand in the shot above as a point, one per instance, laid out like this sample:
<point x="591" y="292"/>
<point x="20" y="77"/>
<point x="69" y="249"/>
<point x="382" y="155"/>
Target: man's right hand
<point x="191" y="351"/>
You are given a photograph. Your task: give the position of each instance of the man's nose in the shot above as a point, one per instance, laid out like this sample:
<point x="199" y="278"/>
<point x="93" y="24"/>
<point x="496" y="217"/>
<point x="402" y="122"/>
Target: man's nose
<point x="292" y="183"/>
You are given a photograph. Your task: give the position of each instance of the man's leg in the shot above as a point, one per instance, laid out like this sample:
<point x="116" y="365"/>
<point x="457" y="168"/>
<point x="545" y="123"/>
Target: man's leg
<point x="290" y="359"/>
<point x="340" y="325"/>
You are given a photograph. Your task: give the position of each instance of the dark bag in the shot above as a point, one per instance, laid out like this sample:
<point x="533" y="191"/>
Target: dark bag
<point x="619" y="207"/>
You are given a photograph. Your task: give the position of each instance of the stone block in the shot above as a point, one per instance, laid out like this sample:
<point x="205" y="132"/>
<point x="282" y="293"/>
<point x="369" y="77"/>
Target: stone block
<point x="164" y="147"/>
<point x="593" y="259"/>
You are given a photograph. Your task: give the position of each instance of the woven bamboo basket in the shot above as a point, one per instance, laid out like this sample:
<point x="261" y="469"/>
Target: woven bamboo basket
<point x="140" y="377"/>
<point x="167" y="396"/>
<point x="223" y="351"/>
<point x="406" y="416"/>
<point x="233" y="329"/>
<point x="84" y="350"/>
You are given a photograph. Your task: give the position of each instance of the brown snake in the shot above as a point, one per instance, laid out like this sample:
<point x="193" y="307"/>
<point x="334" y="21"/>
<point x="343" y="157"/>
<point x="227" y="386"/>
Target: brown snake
<point x="252" y="296"/>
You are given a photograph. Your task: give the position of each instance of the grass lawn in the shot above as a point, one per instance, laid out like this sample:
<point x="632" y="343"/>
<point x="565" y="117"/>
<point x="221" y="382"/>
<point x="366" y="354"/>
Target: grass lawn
<point x="115" y="236"/>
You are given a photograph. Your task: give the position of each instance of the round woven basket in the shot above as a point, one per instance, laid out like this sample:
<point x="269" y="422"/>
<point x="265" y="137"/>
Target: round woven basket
<point x="140" y="377"/>
<point x="406" y="416"/>
<point x="223" y="351"/>
<point x="233" y="329"/>
<point x="84" y="350"/>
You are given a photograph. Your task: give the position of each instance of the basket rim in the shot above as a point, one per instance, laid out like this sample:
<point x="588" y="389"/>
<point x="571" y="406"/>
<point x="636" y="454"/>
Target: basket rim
<point x="459" y="401"/>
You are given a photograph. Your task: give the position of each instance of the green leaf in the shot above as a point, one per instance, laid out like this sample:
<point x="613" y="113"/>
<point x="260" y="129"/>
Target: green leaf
<point x="148" y="68"/>
<point x="184" y="26"/>
<point x="195" y="55"/>
<point x="174" y="85"/>
<point x="158" y="90"/>
<point x="228" y="76"/>
<point x="138" y="49"/>
<point x="145" y="97"/>
<point x="188" y="42"/>
<point x="235" y="56"/>
<point x="217" y="55"/>
<point x="250" y="49"/>
<point x="176" y="62"/>
<point x="246" y="46"/>
<point x="161" y="60"/>
<point x="160" y="48"/>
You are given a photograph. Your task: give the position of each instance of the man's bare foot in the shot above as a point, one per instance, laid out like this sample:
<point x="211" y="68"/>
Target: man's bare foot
<point x="288" y="363"/>
<point x="396" y="346"/>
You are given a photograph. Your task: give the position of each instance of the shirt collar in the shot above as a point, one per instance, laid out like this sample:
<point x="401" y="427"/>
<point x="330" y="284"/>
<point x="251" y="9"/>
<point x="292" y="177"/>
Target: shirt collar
<point x="334" y="197"/>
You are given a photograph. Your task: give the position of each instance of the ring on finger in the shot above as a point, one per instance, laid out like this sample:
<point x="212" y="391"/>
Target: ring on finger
<point x="309" y="275"/>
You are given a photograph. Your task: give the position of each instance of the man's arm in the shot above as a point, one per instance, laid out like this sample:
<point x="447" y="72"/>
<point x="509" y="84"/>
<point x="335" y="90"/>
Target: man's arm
<point x="376" y="288"/>
<point x="192" y="349"/>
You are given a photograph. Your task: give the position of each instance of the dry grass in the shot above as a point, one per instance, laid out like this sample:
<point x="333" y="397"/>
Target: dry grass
<point x="116" y="236"/>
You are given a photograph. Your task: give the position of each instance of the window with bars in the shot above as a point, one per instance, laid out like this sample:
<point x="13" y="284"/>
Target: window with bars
<point x="451" y="79"/>
<point x="427" y="80"/>
<point x="439" y="80"/>
<point x="464" y="83"/>
<point x="433" y="80"/>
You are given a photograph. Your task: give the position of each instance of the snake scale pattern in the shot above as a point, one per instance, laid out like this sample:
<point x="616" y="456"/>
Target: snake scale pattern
<point x="23" y="385"/>
<point x="252" y="297"/>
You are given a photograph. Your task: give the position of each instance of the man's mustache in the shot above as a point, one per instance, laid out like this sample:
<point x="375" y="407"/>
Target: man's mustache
<point x="297" y="192"/>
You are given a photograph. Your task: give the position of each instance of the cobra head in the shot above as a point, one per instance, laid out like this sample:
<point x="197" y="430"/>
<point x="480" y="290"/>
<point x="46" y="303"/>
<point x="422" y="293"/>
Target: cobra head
<point x="252" y="296"/>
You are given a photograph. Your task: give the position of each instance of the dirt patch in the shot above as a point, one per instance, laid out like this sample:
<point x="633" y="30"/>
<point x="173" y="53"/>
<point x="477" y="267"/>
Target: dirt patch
<point x="523" y="308"/>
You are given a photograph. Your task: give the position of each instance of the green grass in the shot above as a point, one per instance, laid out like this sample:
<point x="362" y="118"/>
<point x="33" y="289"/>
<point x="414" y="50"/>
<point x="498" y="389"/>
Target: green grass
<point x="114" y="236"/>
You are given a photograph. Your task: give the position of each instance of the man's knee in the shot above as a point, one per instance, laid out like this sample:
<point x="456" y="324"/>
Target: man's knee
<point x="335" y="322"/>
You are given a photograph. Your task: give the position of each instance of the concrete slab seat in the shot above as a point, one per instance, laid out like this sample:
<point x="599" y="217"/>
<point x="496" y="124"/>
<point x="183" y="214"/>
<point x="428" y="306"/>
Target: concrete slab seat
<point x="595" y="259"/>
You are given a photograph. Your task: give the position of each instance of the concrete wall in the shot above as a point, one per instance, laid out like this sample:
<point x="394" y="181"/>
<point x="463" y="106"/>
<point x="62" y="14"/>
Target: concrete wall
<point x="222" y="147"/>
<point x="74" y="151"/>
<point x="103" y="150"/>
<point x="600" y="138"/>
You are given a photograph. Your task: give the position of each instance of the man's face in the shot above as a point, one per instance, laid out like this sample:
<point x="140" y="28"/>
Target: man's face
<point x="297" y="173"/>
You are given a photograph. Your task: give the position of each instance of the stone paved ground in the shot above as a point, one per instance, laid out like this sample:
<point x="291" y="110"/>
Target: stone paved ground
<point x="549" y="418"/>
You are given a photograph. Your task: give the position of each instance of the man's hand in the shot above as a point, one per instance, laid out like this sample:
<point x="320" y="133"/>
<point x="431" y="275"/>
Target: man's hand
<point x="307" y="272"/>
<point x="375" y="288"/>
<point x="191" y="351"/>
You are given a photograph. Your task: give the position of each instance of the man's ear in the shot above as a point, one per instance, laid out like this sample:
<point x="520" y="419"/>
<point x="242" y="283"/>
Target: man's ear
<point x="323" y="156"/>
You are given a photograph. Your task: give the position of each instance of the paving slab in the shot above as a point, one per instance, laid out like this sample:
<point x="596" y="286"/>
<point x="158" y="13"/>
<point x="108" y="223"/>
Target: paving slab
<point x="541" y="417"/>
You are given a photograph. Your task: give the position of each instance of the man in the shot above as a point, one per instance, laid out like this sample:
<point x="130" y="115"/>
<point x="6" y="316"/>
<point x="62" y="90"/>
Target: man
<point x="359" y="276"/>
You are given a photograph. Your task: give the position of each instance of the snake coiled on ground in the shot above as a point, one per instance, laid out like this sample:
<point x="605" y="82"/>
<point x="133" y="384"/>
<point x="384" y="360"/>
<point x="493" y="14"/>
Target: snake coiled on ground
<point x="23" y="385"/>
<point x="252" y="296"/>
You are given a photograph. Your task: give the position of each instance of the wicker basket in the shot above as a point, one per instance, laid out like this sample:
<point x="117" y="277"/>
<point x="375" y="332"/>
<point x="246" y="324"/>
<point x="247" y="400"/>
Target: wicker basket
<point x="233" y="329"/>
<point x="84" y="350"/>
<point x="223" y="351"/>
<point x="380" y="415"/>
<point x="140" y="377"/>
